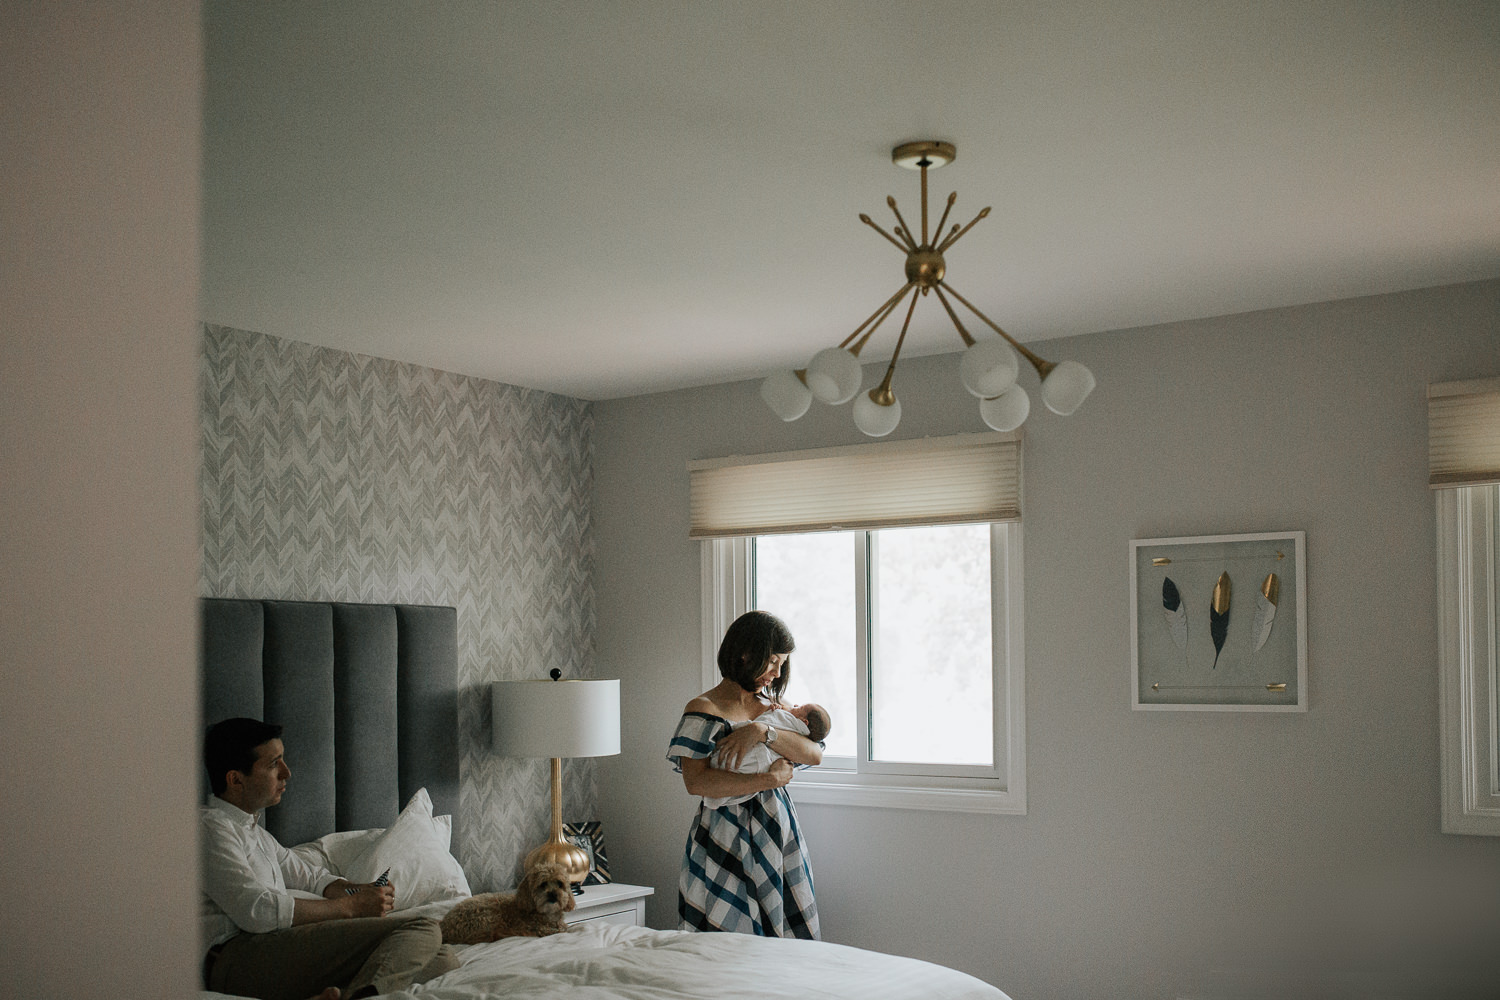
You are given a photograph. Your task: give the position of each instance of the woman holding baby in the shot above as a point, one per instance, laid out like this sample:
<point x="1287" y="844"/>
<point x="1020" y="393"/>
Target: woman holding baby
<point x="745" y="868"/>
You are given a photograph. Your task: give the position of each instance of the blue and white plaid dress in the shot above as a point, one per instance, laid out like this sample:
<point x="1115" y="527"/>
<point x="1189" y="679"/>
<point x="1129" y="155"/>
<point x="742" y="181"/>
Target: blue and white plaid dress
<point x="745" y="868"/>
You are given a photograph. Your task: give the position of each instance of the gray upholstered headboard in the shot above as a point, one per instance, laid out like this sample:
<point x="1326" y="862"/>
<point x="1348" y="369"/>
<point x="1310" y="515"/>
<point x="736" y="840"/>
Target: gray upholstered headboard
<point x="368" y="696"/>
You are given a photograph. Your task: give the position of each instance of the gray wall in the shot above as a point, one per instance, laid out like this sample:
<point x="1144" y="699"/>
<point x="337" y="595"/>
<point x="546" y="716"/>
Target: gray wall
<point x="98" y="288"/>
<point x="336" y="476"/>
<point x="1154" y="841"/>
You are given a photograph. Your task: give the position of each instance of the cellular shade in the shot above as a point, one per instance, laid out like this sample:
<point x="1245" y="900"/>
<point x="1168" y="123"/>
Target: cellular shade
<point x="955" y="480"/>
<point x="556" y="718"/>
<point x="1463" y="433"/>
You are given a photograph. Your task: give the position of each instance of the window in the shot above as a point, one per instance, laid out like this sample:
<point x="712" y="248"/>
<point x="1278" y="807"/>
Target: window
<point x="1468" y="622"/>
<point x="1463" y="446"/>
<point x="911" y="638"/>
<point x="897" y="566"/>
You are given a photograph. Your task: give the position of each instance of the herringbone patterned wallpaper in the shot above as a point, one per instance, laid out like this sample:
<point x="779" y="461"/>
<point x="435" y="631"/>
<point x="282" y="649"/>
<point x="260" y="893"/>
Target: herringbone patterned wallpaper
<point x="338" y="477"/>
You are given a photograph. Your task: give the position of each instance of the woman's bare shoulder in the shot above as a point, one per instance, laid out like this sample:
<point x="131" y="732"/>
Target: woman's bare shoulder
<point x="703" y="704"/>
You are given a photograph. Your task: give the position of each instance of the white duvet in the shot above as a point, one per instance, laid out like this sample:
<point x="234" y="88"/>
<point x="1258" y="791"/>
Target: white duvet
<point x="602" y="961"/>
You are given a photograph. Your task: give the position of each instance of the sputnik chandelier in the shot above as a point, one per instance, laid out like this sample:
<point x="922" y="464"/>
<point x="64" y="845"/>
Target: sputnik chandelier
<point x="989" y="367"/>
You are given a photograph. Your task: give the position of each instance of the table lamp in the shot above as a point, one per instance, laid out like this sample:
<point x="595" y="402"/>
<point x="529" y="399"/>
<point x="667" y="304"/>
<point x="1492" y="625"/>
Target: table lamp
<point x="556" y="719"/>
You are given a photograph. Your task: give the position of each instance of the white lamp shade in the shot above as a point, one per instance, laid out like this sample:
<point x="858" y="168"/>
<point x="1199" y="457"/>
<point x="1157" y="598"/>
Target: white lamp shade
<point x="834" y="375"/>
<point x="1066" y="387"/>
<point x="874" y="419"/>
<point x="1006" y="411"/>
<point x="988" y="368"/>
<point x="786" y="394"/>
<point x="556" y="718"/>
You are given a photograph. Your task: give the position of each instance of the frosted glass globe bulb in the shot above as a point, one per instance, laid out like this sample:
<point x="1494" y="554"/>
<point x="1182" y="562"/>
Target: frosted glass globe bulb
<point x="1066" y="387"/>
<point x="1006" y="411"/>
<point x="874" y="419"/>
<point x="988" y="368"/>
<point x="834" y="375"/>
<point x="786" y="394"/>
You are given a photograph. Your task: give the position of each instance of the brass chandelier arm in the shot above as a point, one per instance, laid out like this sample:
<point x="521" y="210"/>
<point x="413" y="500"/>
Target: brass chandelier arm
<point x="968" y="340"/>
<point x="882" y="393"/>
<point x="905" y="230"/>
<point x="924" y="204"/>
<point x="955" y="237"/>
<point x="1043" y="367"/>
<point x="894" y="242"/>
<point x="877" y="317"/>
<point x="938" y="232"/>
<point x="860" y="343"/>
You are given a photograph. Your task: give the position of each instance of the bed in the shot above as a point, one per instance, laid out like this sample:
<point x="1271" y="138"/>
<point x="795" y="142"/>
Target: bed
<point x="368" y="695"/>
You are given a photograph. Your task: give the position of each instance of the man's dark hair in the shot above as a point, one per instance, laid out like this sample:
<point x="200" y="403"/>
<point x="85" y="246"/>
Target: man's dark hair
<point x="230" y="746"/>
<point x="749" y="643"/>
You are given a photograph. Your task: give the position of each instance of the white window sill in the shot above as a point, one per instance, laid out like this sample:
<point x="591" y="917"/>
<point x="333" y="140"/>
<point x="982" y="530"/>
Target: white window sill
<point x="831" y="791"/>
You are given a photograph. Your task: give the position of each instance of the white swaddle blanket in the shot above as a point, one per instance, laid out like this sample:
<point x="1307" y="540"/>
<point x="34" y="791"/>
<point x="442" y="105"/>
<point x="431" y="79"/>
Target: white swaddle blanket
<point x="757" y="759"/>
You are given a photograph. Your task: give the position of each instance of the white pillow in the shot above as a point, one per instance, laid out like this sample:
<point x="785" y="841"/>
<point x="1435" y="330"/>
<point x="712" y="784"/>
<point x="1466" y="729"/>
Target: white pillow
<point x="415" y="849"/>
<point x="342" y="849"/>
<point x="329" y="850"/>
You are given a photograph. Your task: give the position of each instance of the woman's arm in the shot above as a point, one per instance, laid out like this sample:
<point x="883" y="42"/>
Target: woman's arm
<point x="797" y="748"/>
<point x="734" y="745"/>
<point x="712" y="782"/>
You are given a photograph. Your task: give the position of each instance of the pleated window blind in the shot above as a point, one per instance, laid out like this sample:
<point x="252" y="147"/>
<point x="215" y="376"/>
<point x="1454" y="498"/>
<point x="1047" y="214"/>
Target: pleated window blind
<point x="964" y="479"/>
<point x="1463" y="433"/>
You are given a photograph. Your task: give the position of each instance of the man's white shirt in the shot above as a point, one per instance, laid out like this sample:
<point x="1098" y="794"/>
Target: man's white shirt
<point x="247" y="875"/>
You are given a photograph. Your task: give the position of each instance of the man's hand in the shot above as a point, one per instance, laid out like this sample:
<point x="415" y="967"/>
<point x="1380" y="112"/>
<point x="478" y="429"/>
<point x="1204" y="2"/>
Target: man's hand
<point x="371" y="900"/>
<point x="343" y="900"/>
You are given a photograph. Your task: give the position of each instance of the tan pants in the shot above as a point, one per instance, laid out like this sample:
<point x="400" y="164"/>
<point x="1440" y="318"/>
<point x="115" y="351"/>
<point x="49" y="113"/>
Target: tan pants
<point x="387" y="953"/>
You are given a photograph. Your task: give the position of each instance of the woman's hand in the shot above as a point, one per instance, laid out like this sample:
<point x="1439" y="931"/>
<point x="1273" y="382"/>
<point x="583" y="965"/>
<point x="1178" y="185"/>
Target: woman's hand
<point x="733" y="746"/>
<point x="781" y="771"/>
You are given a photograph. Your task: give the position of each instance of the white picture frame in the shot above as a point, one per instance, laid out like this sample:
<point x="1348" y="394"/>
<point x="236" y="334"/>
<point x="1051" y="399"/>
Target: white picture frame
<point x="1192" y="657"/>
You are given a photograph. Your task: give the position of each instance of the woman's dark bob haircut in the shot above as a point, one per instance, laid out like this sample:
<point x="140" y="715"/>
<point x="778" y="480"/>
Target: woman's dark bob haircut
<point x="750" y="642"/>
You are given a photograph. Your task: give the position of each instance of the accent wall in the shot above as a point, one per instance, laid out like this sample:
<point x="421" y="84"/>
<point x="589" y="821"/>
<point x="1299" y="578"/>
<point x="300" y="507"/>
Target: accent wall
<point x="330" y="476"/>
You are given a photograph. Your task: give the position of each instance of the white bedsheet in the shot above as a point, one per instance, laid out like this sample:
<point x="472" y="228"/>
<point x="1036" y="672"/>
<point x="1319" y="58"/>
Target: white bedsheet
<point x="600" y="961"/>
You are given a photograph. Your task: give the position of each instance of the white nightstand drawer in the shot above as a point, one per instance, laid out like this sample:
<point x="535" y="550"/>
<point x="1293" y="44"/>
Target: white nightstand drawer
<point x="626" y="915"/>
<point x="611" y="903"/>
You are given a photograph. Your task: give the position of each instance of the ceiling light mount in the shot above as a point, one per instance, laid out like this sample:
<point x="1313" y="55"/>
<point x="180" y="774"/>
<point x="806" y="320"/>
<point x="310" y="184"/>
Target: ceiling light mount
<point x="989" y="367"/>
<point x="912" y="154"/>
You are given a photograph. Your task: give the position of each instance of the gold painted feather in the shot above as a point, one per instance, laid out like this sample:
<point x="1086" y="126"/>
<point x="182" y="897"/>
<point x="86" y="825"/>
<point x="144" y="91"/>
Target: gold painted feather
<point x="1218" y="615"/>
<point x="1265" y="609"/>
<point x="1175" y="612"/>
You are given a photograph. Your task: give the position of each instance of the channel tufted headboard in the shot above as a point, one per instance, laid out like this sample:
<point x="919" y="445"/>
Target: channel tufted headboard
<point x="367" y="693"/>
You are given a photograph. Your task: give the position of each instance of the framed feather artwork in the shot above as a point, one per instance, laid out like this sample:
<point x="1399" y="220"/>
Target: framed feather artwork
<point x="589" y="837"/>
<point x="1217" y="623"/>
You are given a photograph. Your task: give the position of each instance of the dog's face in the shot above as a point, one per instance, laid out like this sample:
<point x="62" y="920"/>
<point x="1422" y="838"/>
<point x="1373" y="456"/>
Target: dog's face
<point x="548" y="889"/>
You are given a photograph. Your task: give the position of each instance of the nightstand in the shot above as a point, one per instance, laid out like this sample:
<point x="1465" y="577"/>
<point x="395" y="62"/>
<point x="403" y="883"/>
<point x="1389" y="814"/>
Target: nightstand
<point x="611" y="903"/>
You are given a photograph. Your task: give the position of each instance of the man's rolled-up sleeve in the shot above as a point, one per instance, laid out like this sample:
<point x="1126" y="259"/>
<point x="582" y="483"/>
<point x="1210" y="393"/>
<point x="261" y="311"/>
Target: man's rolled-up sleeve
<point x="301" y="875"/>
<point x="229" y="881"/>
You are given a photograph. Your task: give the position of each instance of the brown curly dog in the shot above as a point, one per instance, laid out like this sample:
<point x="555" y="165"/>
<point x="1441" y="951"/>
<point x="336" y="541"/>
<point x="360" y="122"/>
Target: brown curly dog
<point x="535" y="909"/>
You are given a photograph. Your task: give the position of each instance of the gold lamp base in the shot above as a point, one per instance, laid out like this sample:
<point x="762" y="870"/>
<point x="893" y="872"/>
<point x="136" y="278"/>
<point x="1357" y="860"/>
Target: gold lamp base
<point x="557" y="850"/>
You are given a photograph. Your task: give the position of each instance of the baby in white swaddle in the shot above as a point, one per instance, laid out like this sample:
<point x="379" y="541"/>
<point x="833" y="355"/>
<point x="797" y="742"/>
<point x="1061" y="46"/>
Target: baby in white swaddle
<point x="810" y="720"/>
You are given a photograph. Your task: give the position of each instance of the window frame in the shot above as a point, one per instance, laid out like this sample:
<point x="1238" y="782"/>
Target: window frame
<point x="1001" y="789"/>
<point x="1468" y="665"/>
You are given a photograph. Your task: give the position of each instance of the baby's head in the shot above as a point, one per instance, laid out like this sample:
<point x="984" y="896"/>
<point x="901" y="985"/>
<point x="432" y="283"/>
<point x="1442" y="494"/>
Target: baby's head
<point x="816" y="718"/>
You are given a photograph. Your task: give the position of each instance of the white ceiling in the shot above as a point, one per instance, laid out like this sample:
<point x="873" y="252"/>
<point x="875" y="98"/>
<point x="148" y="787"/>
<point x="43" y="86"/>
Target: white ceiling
<point x="611" y="198"/>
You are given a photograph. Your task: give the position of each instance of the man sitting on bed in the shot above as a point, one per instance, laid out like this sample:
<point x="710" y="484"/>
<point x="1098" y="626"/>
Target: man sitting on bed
<point x="264" y="942"/>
